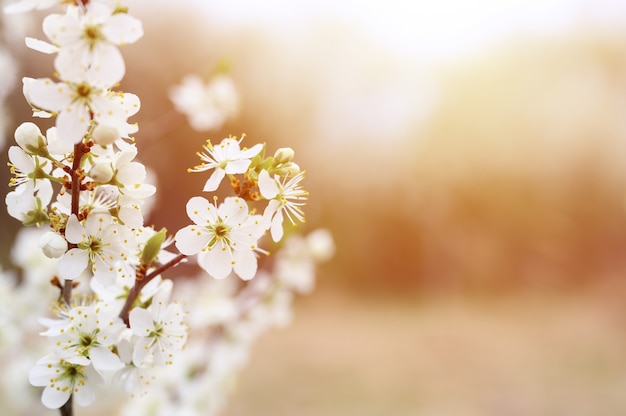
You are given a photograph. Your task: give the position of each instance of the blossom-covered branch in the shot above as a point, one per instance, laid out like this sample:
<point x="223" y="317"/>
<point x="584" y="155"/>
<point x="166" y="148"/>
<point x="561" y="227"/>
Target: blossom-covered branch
<point x="116" y="320"/>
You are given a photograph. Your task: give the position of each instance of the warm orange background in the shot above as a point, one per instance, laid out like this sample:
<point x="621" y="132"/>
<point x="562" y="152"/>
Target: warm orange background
<point x="477" y="205"/>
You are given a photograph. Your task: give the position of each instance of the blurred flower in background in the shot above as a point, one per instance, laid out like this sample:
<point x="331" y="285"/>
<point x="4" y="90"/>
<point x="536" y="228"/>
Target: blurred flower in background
<point x="207" y="105"/>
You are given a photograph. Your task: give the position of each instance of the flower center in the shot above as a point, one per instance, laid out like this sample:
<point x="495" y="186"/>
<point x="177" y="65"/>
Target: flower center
<point x="85" y="341"/>
<point x="92" y="34"/>
<point x="220" y="232"/>
<point x="83" y="90"/>
<point x="157" y="331"/>
<point x="72" y="374"/>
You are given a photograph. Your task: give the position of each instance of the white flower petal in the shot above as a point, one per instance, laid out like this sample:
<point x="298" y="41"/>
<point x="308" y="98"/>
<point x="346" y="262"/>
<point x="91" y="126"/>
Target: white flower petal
<point x="190" y="240"/>
<point x="200" y="210"/>
<point x="217" y="262"/>
<point x="140" y="321"/>
<point x="122" y="29"/>
<point x="277" y="226"/>
<point x="237" y="166"/>
<point x="104" y="360"/>
<point x="141" y="350"/>
<point x="40" y="374"/>
<point x="251" y="152"/>
<point x="46" y="94"/>
<point x="73" y="121"/>
<point x="245" y="264"/>
<point x="62" y="29"/>
<point x="74" y="230"/>
<point x="54" y="398"/>
<point x="41" y="46"/>
<point x="214" y="181"/>
<point x="73" y="263"/>
<point x="267" y="185"/>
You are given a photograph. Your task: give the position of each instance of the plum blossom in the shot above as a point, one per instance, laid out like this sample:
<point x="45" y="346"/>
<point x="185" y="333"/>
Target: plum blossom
<point x="286" y="196"/>
<point x="225" y="158"/>
<point x="161" y="328"/>
<point x="63" y="378"/>
<point x="76" y="102"/>
<point x="88" y="40"/>
<point x="28" y="205"/>
<point x="87" y="331"/>
<point x="101" y="243"/>
<point x="118" y="325"/>
<point x="29" y="169"/>
<point x="129" y="176"/>
<point x="225" y="237"/>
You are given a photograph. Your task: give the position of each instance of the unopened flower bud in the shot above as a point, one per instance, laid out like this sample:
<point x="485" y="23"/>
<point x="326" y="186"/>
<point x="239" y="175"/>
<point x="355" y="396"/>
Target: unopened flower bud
<point x="288" y="169"/>
<point x="53" y="245"/>
<point x="102" y="172"/>
<point x="283" y="155"/>
<point x="105" y="135"/>
<point x="28" y="137"/>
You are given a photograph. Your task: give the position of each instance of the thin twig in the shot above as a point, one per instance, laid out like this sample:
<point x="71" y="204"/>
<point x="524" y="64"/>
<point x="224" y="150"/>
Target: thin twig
<point x="140" y="282"/>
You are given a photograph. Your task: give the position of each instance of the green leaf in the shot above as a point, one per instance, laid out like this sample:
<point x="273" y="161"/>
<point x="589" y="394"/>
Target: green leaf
<point x="153" y="247"/>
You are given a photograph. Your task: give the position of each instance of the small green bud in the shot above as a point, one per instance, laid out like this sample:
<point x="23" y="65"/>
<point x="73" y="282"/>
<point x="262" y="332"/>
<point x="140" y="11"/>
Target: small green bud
<point x="283" y="155"/>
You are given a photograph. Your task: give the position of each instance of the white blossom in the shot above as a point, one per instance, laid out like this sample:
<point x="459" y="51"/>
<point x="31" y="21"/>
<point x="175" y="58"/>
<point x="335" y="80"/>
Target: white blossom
<point x="286" y="196"/>
<point x="88" y="40"/>
<point x="81" y="184"/>
<point x="76" y="102"/>
<point x="29" y="169"/>
<point x="28" y="205"/>
<point x="63" y="378"/>
<point x="161" y="329"/>
<point x="87" y="331"/>
<point x="225" y="237"/>
<point x="130" y="176"/>
<point x="225" y="158"/>
<point x="101" y="243"/>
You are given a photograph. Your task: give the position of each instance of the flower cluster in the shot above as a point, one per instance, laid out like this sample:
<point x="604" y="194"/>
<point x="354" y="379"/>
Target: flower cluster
<point x="226" y="236"/>
<point x="80" y="183"/>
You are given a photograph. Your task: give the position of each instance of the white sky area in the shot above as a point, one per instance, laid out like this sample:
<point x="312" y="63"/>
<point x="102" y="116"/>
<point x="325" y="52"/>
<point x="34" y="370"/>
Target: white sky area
<point x="432" y="28"/>
<point x="419" y="35"/>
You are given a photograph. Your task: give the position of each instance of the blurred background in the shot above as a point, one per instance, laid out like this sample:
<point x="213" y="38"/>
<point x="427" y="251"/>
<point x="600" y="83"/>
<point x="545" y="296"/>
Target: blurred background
<point x="469" y="158"/>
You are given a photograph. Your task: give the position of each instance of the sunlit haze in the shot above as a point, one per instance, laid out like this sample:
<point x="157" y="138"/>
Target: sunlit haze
<point x="432" y="30"/>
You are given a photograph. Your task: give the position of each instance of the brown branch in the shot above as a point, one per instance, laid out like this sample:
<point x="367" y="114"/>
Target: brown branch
<point x="66" y="409"/>
<point x="141" y="281"/>
<point x="76" y="178"/>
